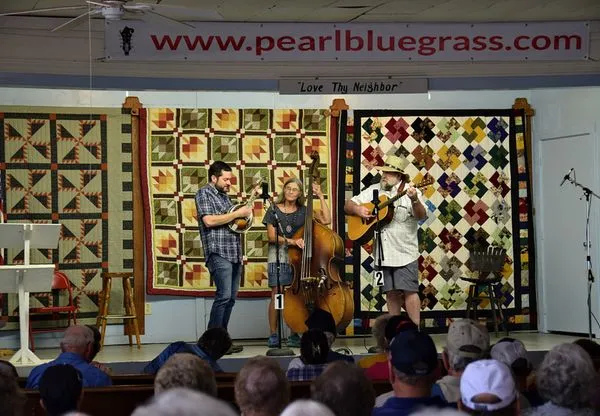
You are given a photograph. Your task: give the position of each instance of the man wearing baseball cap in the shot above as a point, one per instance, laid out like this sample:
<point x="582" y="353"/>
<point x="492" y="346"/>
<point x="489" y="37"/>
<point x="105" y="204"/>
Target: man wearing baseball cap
<point x="412" y="363"/>
<point x="512" y="352"/>
<point x="487" y="387"/>
<point x="397" y="251"/>
<point x="467" y="341"/>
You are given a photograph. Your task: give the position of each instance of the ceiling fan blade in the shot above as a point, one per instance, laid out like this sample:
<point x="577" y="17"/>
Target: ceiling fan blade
<point x="51" y="9"/>
<point x="95" y="3"/>
<point x="153" y="13"/>
<point x="76" y="20"/>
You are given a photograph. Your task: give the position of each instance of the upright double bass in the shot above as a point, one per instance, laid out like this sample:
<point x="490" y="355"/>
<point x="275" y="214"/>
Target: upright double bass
<point x="317" y="279"/>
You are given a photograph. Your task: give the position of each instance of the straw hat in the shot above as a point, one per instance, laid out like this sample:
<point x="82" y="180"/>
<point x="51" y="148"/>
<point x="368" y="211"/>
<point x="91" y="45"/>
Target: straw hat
<point x="394" y="163"/>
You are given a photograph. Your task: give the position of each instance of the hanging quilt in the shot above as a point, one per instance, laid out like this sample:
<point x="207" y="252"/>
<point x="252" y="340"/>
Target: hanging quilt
<point x="70" y="167"/>
<point x="177" y="148"/>
<point x="479" y="197"/>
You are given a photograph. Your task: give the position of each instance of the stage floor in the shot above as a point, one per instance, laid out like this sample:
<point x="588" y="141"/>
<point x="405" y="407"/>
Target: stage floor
<point x="124" y="359"/>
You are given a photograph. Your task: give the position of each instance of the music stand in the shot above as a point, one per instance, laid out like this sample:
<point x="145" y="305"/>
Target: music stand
<point x="26" y="277"/>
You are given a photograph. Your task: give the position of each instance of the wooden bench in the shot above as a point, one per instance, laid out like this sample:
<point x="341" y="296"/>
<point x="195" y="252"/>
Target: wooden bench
<point x="121" y="400"/>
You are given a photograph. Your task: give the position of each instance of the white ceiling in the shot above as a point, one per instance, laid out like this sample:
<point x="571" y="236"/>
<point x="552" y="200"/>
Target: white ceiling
<point x="346" y="10"/>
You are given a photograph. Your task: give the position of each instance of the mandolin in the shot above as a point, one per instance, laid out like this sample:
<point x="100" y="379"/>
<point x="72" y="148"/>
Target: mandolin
<point x="361" y="229"/>
<point x="241" y="225"/>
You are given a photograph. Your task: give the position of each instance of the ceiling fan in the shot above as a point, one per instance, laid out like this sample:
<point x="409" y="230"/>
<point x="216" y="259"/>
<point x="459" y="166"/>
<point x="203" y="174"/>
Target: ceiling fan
<point x="113" y="10"/>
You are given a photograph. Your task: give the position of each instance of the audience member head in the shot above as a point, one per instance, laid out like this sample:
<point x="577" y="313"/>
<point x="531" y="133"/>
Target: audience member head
<point x="306" y="408"/>
<point x="323" y="320"/>
<point x="186" y="370"/>
<point x="12" y="398"/>
<point x="467" y="341"/>
<point x="413" y="360"/>
<point x="397" y="324"/>
<point x="97" y="338"/>
<point x="512" y="352"/>
<point x="6" y="367"/>
<point x="487" y="387"/>
<point x="184" y="402"/>
<point x="215" y="342"/>
<point x="592" y="348"/>
<point x="61" y="389"/>
<point x="345" y="389"/>
<point x="78" y="339"/>
<point x="314" y="347"/>
<point x="261" y="387"/>
<point x="566" y="377"/>
<point x="436" y="411"/>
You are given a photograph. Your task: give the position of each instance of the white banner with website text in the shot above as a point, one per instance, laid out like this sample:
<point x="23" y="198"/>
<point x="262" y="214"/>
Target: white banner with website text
<point x="230" y="42"/>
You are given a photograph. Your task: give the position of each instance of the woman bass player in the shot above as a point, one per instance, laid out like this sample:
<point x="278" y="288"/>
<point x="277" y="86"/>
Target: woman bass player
<point x="222" y="246"/>
<point x="398" y="237"/>
<point x="291" y="211"/>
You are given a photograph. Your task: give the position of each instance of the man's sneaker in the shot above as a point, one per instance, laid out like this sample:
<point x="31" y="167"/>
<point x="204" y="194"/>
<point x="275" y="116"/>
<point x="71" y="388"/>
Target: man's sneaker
<point x="273" y="341"/>
<point x="293" y="341"/>
<point x="234" y="349"/>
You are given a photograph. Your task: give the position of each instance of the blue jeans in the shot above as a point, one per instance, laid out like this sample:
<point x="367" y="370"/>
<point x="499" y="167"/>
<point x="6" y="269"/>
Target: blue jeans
<point x="226" y="276"/>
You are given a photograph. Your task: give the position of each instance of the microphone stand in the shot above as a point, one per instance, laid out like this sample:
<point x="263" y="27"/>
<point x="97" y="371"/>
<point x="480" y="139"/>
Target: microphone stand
<point x="378" y="247"/>
<point x="278" y="351"/>
<point x="587" y="193"/>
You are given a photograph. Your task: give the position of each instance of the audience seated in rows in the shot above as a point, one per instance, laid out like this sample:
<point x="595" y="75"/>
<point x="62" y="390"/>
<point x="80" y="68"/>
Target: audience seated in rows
<point x="512" y="353"/>
<point x="186" y="370"/>
<point x="345" y="389"/>
<point x="261" y="388"/>
<point x="211" y="346"/>
<point x="77" y="350"/>
<point x="314" y="350"/>
<point x="184" y="402"/>
<point x="385" y="329"/>
<point x="322" y="320"/>
<point x="413" y="362"/>
<point x="467" y="341"/>
<point x="12" y="398"/>
<point x="567" y="379"/>
<point x="306" y="408"/>
<point x="487" y="387"/>
<point x="61" y="389"/>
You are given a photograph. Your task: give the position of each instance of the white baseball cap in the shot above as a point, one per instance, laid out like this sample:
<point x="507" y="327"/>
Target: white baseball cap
<point x="487" y="377"/>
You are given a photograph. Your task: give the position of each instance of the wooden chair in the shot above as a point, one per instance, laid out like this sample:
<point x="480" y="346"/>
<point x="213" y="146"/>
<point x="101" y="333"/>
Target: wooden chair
<point x="60" y="283"/>
<point x="487" y="264"/>
<point x="129" y="317"/>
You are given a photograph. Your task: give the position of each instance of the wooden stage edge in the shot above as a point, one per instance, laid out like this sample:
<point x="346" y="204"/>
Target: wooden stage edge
<point x="123" y="359"/>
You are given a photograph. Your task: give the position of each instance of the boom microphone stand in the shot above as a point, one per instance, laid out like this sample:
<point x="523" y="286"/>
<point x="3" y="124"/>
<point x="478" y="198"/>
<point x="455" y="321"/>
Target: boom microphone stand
<point x="587" y="193"/>
<point x="278" y="351"/>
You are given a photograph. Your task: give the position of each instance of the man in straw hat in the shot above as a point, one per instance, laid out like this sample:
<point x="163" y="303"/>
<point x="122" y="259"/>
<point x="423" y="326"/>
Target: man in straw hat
<point x="398" y="238"/>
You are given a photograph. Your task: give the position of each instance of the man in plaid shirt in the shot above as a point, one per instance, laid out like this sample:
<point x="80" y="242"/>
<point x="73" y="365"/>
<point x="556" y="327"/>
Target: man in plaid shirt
<point x="222" y="246"/>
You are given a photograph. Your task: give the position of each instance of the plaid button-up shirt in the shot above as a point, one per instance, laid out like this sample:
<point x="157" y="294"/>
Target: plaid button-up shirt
<point x="217" y="240"/>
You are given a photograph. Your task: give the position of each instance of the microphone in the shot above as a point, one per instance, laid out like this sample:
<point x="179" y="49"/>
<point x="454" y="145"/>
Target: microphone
<point x="265" y="192"/>
<point x="375" y="196"/>
<point x="567" y="176"/>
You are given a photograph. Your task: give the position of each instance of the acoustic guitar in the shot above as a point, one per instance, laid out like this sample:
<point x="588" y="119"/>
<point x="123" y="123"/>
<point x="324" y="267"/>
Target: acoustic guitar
<point x="241" y="225"/>
<point x="361" y="229"/>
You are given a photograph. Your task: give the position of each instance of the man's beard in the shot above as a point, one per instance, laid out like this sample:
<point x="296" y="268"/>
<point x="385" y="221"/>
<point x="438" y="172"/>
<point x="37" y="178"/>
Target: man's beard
<point x="221" y="188"/>
<point x="386" y="186"/>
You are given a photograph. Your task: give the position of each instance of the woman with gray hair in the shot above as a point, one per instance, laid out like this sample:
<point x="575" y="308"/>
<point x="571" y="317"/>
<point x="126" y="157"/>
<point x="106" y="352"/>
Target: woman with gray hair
<point x="566" y="378"/>
<point x="289" y="212"/>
